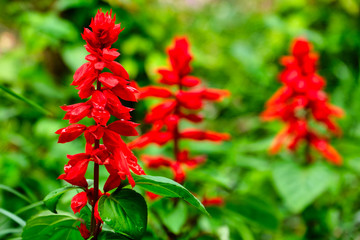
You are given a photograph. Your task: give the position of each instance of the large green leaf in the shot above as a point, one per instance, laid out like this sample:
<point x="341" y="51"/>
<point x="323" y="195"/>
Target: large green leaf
<point x="300" y="185"/>
<point x="167" y="188"/>
<point x="53" y="197"/>
<point x="125" y="211"/>
<point x="48" y="226"/>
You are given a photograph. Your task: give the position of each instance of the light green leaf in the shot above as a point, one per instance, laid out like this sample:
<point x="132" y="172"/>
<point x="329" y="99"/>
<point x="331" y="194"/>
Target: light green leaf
<point x="12" y="216"/>
<point x="298" y="185"/>
<point x="125" y="211"/>
<point x="167" y="188"/>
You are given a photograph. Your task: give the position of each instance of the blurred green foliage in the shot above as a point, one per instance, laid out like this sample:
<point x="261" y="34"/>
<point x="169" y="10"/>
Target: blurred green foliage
<point x="236" y="45"/>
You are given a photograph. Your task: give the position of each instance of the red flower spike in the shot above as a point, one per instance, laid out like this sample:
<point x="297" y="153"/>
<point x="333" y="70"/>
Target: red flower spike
<point x="301" y="99"/>
<point x="78" y="202"/>
<point x="105" y="89"/>
<point x="183" y="103"/>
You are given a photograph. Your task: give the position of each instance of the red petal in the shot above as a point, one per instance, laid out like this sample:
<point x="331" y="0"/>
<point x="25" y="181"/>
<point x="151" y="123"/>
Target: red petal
<point x="215" y="201"/>
<point x="179" y="174"/>
<point x="113" y="180"/>
<point x="180" y="56"/>
<point x="204" y="135"/>
<point x="161" y="111"/>
<point x="301" y="47"/>
<point x="168" y="77"/>
<point x="110" y="54"/>
<point x="85" y="233"/>
<point x="124" y="128"/>
<point x="78" y="202"/>
<point x="70" y="133"/>
<point x="151" y="91"/>
<point x="190" y="81"/>
<point x="215" y="94"/>
<point x="118" y="69"/>
<point x="127" y="93"/>
<point x="109" y="80"/>
<point x="156" y="161"/>
<point x="190" y="100"/>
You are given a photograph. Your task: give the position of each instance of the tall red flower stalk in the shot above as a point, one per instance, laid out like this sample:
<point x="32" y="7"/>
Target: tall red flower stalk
<point x="182" y="103"/>
<point x="104" y="145"/>
<point x="301" y="100"/>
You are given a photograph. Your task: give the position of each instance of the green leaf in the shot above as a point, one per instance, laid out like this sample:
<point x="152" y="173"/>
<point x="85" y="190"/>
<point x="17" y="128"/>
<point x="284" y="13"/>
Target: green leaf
<point x="125" y="211"/>
<point x="106" y="235"/>
<point x="26" y="100"/>
<point x="12" y="216"/>
<point x="15" y="192"/>
<point x="4" y="232"/>
<point x="168" y="188"/>
<point x="255" y="210"/>
<point x="174" y="217"/>
<point x="53" y="197"/>
<point x="299" y="186"/>
<point x="47" y="226"/>
<point x="29" y="207"/>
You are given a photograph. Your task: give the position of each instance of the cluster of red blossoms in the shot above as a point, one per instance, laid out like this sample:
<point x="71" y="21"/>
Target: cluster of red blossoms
<point x="300" y="101"/>
<point x="104" y="90"/>
<point x="180" y="104"/>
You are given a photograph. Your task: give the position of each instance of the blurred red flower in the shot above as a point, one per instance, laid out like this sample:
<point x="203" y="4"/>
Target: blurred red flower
<point x="183" y="103"/>
<point x="300" y="100"/>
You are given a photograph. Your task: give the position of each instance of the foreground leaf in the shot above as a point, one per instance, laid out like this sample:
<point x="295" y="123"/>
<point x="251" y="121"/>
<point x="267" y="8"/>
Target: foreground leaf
<point x="299" y="186"/>
<point x="53" y="197"/>
<point x="47" y="226"/>
<point x="167" y="188"/>
<point x="125" y="211"/>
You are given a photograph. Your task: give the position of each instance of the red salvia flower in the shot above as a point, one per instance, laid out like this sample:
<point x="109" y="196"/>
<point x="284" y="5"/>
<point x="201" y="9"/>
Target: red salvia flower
<point x="184" y="103"/>
<point x="104" y="90"/>
<point x="301" y="99"/>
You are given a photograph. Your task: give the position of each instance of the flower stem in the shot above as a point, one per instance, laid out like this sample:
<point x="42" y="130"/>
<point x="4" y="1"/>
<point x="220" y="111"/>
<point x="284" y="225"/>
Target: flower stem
<point x="176" y="130"/>
<point x="95" y="227"/>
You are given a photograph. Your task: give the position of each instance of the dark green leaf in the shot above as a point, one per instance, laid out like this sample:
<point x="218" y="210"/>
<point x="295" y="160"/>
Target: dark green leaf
<point x="13" y="191"/>
<point x="299" y="186"/>
<point x="255" y="210"/>
<point x="106" y="235"/>
<point x="48" y="226"/>
<point x="167" y="188"/>
<point x="53" y="197"/>
<point x="125" y="211"/>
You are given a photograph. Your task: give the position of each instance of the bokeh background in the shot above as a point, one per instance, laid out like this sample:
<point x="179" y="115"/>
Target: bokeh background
<point x="236" y="46"/>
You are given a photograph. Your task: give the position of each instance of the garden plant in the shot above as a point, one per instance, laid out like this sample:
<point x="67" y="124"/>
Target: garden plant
<point x="196" y="119"/>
